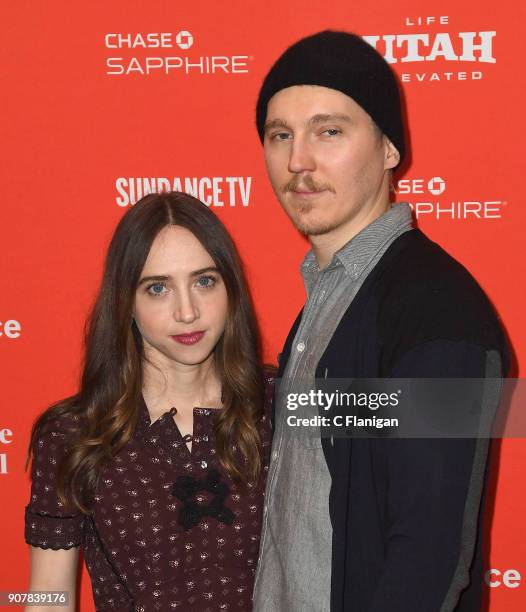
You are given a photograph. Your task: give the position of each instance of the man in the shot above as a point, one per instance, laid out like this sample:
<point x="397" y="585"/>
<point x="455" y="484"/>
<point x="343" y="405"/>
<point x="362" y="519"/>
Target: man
<point x="367" y="525"/>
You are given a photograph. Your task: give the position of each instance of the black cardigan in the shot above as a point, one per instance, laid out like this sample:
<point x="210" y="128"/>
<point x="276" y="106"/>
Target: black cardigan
<point x="407" y="534"/>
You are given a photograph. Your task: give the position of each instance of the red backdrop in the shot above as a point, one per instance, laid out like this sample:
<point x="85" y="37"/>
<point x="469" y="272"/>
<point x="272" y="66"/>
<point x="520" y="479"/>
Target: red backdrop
<point x="98" y="97"/>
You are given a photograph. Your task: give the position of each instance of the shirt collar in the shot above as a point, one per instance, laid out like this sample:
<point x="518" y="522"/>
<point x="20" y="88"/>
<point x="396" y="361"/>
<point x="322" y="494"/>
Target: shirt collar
<point x="356" y="254"/>
<point x="143" y="420"/>
<point x="145" y="426"/>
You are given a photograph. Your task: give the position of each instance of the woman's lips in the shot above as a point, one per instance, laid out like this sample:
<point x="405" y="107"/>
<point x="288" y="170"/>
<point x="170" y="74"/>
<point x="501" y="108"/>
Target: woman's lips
<point x="192" y="338"/>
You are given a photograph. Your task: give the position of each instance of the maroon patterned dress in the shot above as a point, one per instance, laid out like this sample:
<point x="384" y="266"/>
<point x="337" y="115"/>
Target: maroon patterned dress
<point x="169" y="529"/>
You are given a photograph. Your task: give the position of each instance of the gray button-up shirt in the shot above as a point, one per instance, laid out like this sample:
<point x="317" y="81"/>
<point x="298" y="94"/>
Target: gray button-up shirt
<point x="294" y="571"/>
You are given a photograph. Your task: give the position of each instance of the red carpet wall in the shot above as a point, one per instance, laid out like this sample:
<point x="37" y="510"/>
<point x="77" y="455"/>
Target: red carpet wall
<point x="104" y="101"/>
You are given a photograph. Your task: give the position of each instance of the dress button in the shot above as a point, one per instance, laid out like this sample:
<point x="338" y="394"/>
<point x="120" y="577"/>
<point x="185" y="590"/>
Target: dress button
<point x="204" y="465"/>
<point x="205" y="438"/>
<point x="300" y="346"/>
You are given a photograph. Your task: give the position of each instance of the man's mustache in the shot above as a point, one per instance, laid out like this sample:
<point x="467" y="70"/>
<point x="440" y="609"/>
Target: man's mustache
<point x="308" y="183"/>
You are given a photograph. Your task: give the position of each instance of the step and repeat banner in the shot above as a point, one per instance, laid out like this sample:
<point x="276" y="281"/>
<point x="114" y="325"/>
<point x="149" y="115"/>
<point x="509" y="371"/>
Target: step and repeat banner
<point x="106" y="101"/>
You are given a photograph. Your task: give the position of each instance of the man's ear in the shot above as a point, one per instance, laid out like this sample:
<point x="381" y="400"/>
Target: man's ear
<point x="392" y="157"/>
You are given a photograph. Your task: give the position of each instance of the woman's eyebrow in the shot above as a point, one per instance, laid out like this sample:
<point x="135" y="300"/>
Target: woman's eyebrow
<point x="157" y="277"/>
<point x="204" y="270"/>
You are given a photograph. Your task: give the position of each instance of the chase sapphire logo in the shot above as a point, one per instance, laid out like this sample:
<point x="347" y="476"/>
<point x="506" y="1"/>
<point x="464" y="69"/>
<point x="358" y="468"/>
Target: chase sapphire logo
<point x="184" y="40"/>
<point x="436" y="185"/>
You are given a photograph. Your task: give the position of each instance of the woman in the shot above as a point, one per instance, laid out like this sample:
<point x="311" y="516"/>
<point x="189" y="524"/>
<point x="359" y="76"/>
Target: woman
<point x="157" y="466"/>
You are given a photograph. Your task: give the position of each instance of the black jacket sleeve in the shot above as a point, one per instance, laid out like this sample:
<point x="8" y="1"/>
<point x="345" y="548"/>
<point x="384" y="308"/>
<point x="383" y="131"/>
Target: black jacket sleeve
<point x="434" y="492"/>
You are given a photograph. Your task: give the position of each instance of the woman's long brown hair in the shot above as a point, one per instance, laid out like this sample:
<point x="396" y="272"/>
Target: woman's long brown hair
<point x="105" y="409"/>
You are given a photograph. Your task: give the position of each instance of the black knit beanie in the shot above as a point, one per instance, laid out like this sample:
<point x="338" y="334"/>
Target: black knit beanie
<point x="342" y="61"/>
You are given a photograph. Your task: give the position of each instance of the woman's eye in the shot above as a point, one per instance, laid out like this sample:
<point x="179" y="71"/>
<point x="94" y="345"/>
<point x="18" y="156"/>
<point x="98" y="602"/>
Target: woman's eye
<point x="205" y="282"/>
<point x="156" y="289"/>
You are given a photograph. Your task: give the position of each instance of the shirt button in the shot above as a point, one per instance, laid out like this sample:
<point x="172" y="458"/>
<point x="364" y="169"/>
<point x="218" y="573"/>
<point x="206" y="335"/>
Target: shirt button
<point x="204" y="465"/>
<point x="275" y="455"/>
<point x="300" y="346"/>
